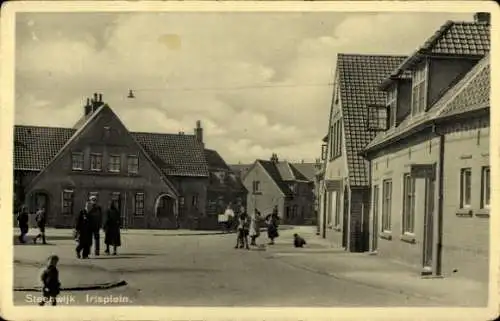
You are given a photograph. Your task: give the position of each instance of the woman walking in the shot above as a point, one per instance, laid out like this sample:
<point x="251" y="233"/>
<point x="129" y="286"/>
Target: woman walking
<point x="41" y="220"/>
<point x="112" y="229"/>
<point x="23" y="220"/>
<point x="83" y="233"/>
<point x="254" y="227"/>
<point x="272" y="225"/>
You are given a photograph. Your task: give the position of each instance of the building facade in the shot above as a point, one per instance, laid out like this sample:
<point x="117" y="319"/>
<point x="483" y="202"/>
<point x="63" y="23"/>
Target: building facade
<point x="279" y="183"/>
<point x="344" y="189"/>
<point x="429" y="164"/>
<point x="159" y="180"/>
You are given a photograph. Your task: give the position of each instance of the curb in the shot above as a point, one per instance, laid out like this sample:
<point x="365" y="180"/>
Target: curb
<point x="336" y="276"/>
<point x="102" y="286"/>
<point x="190" y="234"/>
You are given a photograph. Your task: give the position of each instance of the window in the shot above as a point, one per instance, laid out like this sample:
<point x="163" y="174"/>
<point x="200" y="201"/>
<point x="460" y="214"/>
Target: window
<point x="133" y="164"/>
<point x="139" y="204"/>
<point x="419" y="90"/>
<point x="77" y="161"/>
<point x="376" y="202"/>
<point x="408" y="204"/>
<point x="485" y="187"/>
<point x="256" y="186"/>
<point x="339" y="140"/>
<point x="332" y="141"/>
<point x="336" y="140"/>
<point x="324" y="152"/>
<point x="67" y="202"/>
<point x="377" y="118"/>
<point x="293" y="187"/>
<point x="386" y="205"/>
<point x="114" y="164"/>
<point x="194" y="201"/>
<point x="465" y="187"/>
<point x="96" y="162"/>
<point x="392" y="105"/>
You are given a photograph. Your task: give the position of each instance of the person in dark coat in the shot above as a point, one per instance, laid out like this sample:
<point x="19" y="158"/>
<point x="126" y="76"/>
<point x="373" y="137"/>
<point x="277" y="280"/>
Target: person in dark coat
<point x="83" y="234"/>
<point x="41" y="220"/>
<point x="23" y="222"/>
<point x="243" y="230"/>
<point x="95" y="214"/>
<point x="51" y="286"/>
<point x="298" y="241"/>
<point x="272" y="225"/>
<point x="112" y="228"/>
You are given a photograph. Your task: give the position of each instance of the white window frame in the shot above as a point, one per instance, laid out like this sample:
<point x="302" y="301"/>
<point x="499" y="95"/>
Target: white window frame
<point x="465" y="189"/>
<point x="139" y="210"/>
<point x="255" y="187"/>
<point x="408" y="223"/>
<point x="485" y="187"/>
<point x="80" y="161"/>
<point x="419" y="90"/>
<point x="93" y="165"/>
<point x="386" y="205"/>
<point x="133" y="163"/>
<point x="111" y="164"/>
<point x="63" y="202"/>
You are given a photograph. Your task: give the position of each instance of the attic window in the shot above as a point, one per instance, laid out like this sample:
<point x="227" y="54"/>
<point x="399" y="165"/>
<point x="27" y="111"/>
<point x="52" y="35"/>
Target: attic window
<point x="391" y="105"/>
<point x="377" y="118"/>
<point x="324" y="151"/>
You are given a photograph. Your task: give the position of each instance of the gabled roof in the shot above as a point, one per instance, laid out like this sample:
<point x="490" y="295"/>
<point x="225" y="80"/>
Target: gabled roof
<point x="359" y="77"/>
<point x="175" y="154"/>
<point x="216" y="164"/>
<point x="273" y="171"/>
<point x="215" y="161"/>
<point x="240" y="168"/>
<point x="307" y="170"/>
<point x="471" y="93"/>
<point x="285" y="171"/>
<point x="454" y="38"/>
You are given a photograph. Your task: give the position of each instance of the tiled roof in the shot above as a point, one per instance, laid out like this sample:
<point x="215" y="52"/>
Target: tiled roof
<point x="273" y="171"/>
<point x="359" y="77"/>
<point x="454" y="38"/>
<point x="285" y="171"/>
<point x="470" y="93"/>
<point x="34" y="146"/>
<point x="215" y="161"/>
<point x="175" y="154"/>
<point x="475" y="95"/>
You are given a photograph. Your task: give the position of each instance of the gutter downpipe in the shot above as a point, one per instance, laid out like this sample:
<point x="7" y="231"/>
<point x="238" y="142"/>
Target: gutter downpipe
<point x="440" y="177"/>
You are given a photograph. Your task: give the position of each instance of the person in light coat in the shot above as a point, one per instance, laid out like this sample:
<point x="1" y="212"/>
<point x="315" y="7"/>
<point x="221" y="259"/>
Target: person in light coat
<point x="254" y="227"/>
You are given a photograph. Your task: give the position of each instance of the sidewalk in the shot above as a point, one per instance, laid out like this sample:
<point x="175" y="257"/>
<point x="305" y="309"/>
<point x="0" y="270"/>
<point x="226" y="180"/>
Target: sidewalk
<point x="371" y="270"/>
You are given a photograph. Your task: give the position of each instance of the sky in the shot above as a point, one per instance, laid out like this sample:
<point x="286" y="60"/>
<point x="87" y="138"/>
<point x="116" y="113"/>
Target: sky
<point x="260" y="83"/>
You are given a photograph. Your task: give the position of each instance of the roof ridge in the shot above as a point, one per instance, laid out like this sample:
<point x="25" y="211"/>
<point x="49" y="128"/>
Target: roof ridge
<point x="371" y="55"/>
<point x="37" y="126"/>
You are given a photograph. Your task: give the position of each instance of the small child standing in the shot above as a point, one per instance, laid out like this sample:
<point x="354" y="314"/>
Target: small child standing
<point x="50" y="281"/>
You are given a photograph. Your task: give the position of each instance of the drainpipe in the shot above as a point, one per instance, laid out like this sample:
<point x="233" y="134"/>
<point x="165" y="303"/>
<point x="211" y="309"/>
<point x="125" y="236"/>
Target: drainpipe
<point x="440" y="177"/>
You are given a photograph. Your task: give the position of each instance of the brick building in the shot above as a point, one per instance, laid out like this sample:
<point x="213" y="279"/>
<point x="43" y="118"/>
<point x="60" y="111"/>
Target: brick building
<point x="344" y="188"/>
<point x="284" y="184"/>
<point x="159" y="180"/>
<point x="430" y="173"/>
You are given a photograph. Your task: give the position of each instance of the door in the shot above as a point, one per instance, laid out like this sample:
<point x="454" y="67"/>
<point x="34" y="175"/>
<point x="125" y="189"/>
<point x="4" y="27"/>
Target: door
<point x="428" y="224"/>
<point x="345" y="221"/>
<point x="375" y="217"/>
<point x="333" y="208"/>
<point x="323" y="215"/>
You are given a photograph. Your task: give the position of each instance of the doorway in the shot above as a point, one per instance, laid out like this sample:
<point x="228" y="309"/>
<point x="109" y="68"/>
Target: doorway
<point x="345" y="218"/>
<point x="428" y="248"/>
<point x="375" y="214"/>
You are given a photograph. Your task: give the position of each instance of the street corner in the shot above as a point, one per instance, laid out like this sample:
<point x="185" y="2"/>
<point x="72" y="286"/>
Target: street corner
<point x="72" y="277"/>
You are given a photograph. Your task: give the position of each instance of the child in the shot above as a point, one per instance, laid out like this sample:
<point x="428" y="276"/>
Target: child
<point x="254" y="227"/>
<point x="41" y="220"/>
<point x="50" y="280"/>
<point x="298" y="241"/>
<point x="242" y="238"/>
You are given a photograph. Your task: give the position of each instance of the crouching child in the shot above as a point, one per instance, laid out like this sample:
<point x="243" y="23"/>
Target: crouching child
<point x="51" y="287"/>
<point x="298" y="241"/>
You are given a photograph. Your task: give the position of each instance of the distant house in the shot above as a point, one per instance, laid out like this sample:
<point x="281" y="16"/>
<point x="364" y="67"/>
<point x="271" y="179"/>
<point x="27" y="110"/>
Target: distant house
<point x="345" y="187"/>
<point x="430" y="166"/>
<point x="240" y="169"/>
<point x="159" y="180"/>
<point x="280" y="183"/>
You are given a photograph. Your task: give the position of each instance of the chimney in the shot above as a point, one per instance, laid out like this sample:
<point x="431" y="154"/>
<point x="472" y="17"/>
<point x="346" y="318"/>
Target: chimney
<point x="198" y="132"/>
<point x="483" y="17"/>
<point x="274" y="158"/>
<point x="87" y="108"/>
<point x="100" y="98"/>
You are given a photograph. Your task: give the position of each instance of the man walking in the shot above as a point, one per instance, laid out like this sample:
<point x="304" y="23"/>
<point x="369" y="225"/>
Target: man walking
<point x="95" y="217"/>
<point x="41" y="220"/>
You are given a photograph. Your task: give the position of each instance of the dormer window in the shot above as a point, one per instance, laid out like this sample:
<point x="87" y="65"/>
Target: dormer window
<point x="392" y="99"/>
<point x="377" y="118"/>
<point x="419" y="90"/>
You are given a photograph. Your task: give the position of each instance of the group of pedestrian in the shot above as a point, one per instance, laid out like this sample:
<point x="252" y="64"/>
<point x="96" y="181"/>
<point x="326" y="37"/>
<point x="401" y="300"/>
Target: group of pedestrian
<point x="88" y="226"/>
<point x="23" y="223"/>
<point x="250" y="226"/>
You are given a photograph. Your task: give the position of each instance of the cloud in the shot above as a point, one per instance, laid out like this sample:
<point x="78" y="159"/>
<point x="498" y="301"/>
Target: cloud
<point x="260" y="83"/>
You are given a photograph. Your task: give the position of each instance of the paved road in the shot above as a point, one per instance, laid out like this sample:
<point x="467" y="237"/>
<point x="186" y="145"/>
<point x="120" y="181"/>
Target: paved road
<point x="208" y="271"/>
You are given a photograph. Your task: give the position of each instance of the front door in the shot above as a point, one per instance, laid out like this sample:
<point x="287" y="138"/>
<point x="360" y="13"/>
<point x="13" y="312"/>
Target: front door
<point x="375" y="207"/>
<point x="345" y="219"/>
<point x="333" y="208"/>
<point x="428" y="224"/>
